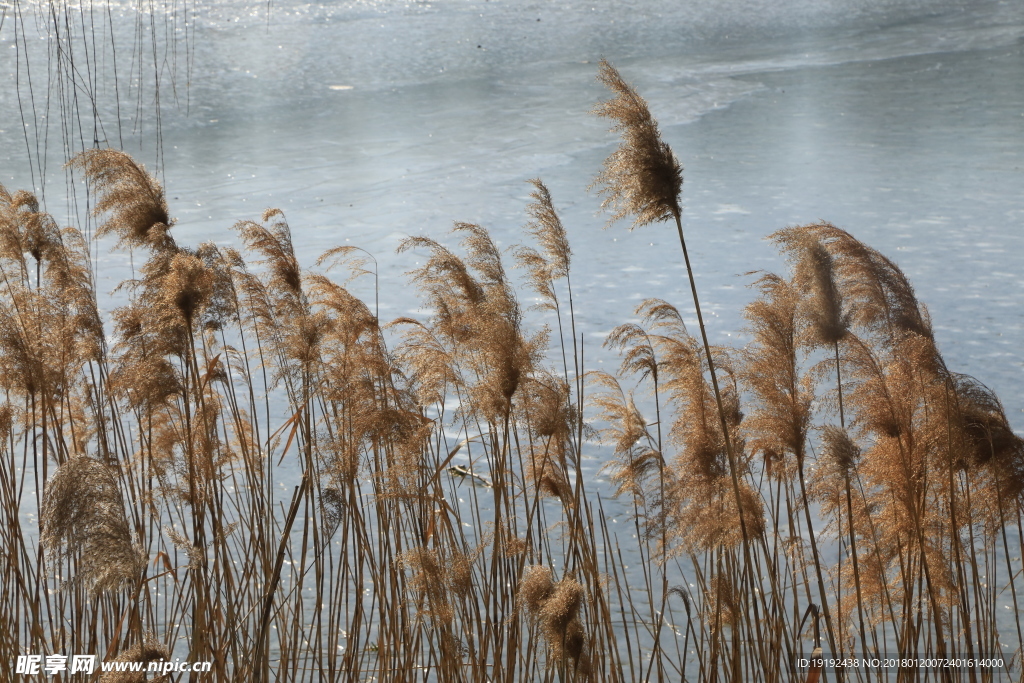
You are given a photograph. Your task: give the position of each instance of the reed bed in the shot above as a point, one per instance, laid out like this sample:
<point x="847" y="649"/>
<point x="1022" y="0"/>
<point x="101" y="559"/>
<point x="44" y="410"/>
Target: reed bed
<point x="242" y="464"/>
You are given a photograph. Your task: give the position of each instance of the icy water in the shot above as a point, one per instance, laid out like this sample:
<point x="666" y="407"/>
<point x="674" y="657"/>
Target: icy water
<point x="902" y="122"/>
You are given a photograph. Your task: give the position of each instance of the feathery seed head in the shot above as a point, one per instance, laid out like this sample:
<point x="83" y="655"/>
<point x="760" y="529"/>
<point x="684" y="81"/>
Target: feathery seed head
<point x="188" y="285"/>
<point x="133" y="199"/>
<point x="561" y="607"/>
<point x="534" y="588"/>
<point x="273" y="241"/>
<point x="196" y="556"/>
<point x="642" y="177"/>
<point x="829" y="324"/>
<point x="547" y="228"/>
<point x="83" y="510"/>
<point x="988" y="438"/>
<point x="839" y="448"/>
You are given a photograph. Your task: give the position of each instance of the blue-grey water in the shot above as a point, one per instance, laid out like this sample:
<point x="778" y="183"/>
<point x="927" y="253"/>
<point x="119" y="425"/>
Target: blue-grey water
<point x="900" y="121"/>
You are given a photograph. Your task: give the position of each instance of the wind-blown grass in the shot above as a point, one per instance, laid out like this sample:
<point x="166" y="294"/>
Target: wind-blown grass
<point x="440" y="526"/>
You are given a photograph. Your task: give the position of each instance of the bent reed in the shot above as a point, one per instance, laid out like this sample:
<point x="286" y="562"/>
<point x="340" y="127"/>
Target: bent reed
<point x="832" y="484"/>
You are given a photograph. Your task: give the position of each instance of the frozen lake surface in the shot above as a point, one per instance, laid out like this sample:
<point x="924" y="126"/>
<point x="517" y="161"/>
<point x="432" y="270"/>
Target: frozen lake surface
<point x="902" y="122"/>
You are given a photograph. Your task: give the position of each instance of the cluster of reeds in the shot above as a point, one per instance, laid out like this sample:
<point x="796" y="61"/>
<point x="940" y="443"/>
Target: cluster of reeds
<point x="247" y="467"/>
<point x="840" y="418"/>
